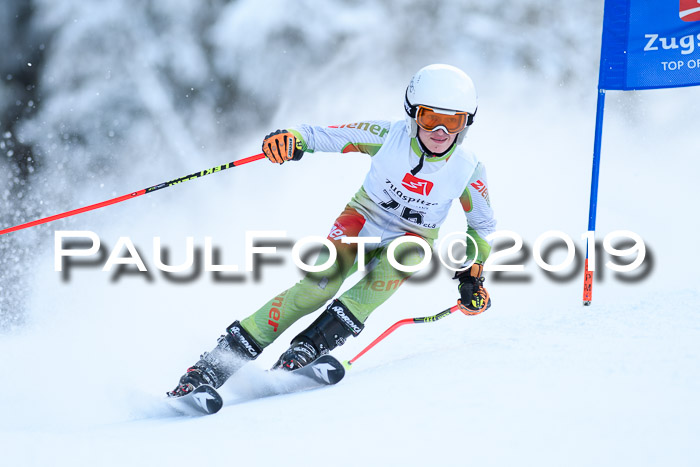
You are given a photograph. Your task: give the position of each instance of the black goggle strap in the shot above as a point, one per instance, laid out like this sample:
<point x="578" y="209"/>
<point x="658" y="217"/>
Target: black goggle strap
<point x="470" y="117"/>
<point x="411" y="109"/>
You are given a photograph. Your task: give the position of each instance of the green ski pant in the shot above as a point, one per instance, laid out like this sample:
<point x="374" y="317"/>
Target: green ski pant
<point x="317" y="288"/>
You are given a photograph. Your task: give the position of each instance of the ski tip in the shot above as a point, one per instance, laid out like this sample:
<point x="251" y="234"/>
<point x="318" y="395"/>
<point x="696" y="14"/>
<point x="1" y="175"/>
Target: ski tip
<point x="204" y="400"/>
<point x="586" y="303"/>
<point x="326" y="370"/>
<point x="208" y="399"/>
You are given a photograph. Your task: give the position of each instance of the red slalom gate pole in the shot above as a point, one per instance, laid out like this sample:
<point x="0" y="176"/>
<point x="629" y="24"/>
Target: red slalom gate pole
<point x="135" y="194"/>
<point x="398" y="324"/>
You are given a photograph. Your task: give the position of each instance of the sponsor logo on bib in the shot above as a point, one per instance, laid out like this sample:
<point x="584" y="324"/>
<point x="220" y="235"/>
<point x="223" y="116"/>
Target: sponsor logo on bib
<point x="417" y="185"/>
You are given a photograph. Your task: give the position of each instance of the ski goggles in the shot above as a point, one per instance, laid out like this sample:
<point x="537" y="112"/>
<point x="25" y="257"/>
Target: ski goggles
<point x="431" y="119"/>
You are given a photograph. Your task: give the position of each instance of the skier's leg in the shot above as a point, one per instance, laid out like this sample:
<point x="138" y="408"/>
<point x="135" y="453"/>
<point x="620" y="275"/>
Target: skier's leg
<point x="245" y="340"/>
<point x="233" y="350"/>
<point x="345" y="316"/>
<point x="313" y="291"/>
<point x="329" y="331"/>
<point x="283" y="310"/>
<point x="382" y="281"/>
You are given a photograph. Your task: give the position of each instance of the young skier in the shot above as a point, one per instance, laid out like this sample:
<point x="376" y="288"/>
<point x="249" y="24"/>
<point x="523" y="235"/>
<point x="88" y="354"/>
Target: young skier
<point x="418" y="168"/>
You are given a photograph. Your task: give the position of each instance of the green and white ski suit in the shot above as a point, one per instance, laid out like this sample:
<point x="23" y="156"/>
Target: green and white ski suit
<point x="391" y="203"/>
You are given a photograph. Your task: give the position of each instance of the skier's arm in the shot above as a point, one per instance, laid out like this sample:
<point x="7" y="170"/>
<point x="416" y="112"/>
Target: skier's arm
<point x="477" y="208"/>
<point x="366" y="137"/>
<point x="475" y="201"/>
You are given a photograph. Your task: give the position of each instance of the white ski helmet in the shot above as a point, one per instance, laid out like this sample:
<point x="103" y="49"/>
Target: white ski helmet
<point x="442" y="87"/>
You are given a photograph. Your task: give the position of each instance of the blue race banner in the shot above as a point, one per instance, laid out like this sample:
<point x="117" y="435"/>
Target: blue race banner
<point x="649" y="44"/>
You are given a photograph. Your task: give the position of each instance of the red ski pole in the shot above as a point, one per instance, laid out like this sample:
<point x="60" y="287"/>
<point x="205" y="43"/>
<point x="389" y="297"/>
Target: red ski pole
<point x="119" y="199"/>
<point x="398" y="324"/>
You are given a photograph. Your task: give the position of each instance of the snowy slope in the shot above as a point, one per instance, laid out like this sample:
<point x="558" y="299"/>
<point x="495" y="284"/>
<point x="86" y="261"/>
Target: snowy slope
<point x="537" y="380"/>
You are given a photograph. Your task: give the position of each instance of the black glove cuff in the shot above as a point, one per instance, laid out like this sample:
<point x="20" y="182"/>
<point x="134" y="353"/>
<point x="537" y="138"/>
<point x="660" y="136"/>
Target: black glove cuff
<point x="298" y="153"/>
<point x="472" y="272"/>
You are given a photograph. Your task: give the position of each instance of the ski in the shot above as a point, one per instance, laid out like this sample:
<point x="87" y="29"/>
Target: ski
<point x="204" y="400"/>
<point x="324" y="371"/>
